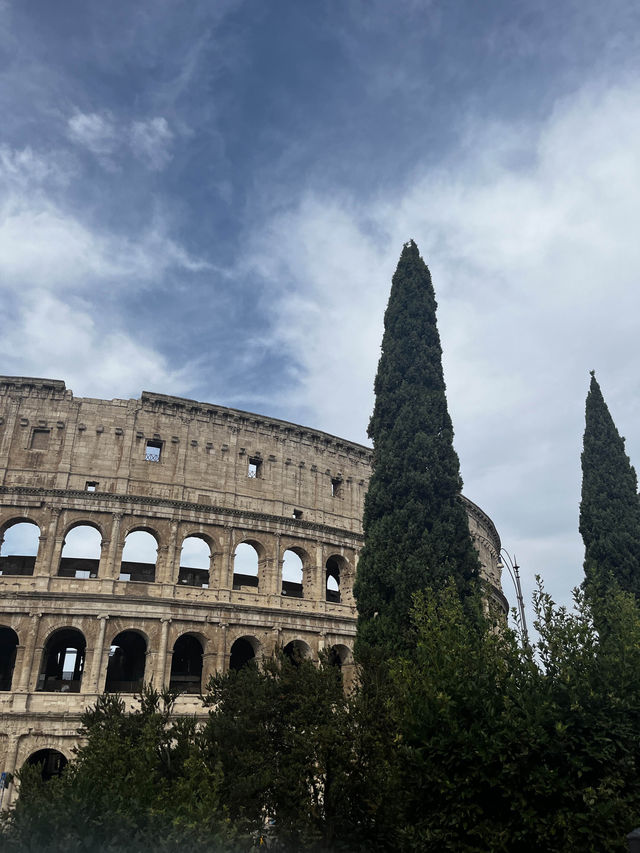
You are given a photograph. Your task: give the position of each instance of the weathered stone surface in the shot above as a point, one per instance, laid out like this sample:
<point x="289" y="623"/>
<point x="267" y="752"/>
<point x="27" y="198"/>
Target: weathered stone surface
<point x="226" y="476"/>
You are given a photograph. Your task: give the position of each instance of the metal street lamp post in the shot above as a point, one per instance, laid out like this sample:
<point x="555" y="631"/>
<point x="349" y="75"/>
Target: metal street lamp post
<point x="513" y="567"/>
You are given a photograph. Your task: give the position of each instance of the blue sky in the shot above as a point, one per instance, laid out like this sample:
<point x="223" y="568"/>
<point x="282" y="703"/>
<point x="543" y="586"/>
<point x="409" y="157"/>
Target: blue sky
<point x="209" y="199"/>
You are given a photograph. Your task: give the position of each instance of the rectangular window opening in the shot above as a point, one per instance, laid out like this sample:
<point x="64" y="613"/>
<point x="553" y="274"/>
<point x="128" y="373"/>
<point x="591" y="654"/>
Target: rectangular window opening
<point x="255" y="468"/>
<point x="297" y="513"/>
<point x="153" y="451"/>
<point x="90" y="486"/>
<point x="40" y="439"/>
<point x="336" y="487"/>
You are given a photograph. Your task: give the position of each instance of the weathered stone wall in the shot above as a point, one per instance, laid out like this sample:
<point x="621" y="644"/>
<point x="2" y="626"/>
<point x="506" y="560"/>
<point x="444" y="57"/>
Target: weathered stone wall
<point x="175" y="468"/>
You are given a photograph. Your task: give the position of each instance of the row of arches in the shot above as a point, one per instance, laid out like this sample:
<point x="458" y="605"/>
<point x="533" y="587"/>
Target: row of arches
<point x="63" y="660"/>
<point x="82" y="549"/>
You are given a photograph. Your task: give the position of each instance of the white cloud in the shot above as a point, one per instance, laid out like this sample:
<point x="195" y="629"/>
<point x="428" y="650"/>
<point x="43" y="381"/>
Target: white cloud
<point x="50" y="337"/>
<point x="150" y="142"/>
<point x="530" y="234"/>
<point x="95" y="131"/>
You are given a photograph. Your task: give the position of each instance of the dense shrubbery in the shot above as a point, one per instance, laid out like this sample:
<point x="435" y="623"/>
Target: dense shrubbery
<point x="471" y="744"/>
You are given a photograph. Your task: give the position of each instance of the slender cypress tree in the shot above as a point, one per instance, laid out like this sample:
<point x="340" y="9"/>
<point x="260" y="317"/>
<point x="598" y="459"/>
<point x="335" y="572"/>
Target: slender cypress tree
<point x="415" y="525"/>
<point x="609" y="509"/>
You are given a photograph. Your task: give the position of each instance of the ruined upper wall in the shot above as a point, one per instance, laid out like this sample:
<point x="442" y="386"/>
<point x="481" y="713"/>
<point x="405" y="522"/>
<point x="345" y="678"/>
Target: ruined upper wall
<point x="51" y="439"/>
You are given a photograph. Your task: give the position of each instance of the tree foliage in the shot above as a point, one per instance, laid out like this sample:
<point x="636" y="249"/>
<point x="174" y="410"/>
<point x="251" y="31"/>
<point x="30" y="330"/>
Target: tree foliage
<point x="502" y="749"/>
<point x="138" y="782"/>
<point x="415" y="525"/>
<point x="609" y="509"/>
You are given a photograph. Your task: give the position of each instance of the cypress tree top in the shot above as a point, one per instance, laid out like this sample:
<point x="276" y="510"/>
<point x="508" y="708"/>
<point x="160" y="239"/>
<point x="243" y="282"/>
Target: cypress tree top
<point x="415" y="525"/>
<point x="609" y="509"/>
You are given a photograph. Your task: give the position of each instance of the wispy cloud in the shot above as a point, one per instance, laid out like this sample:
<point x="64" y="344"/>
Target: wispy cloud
<point x="149" y="140"/>
<point x="95" y="131"/>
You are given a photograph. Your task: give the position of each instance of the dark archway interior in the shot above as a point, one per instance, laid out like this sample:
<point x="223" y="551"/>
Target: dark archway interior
<point x="51" y="762"/>
<point x="125" y="671"/>
<point x="296" y="651"/>
<point x="186" y="666"/>
<point x="8" y="649"/>
<point x="63" y="662"/>
<point x="242" y="653"/>
<point x="334" y="657"/>
<point x="333" y="572"/>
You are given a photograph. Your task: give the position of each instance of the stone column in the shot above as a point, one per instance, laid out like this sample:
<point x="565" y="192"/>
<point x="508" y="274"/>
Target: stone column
<point x="222" y="649"/>
<point x="98" y="672"/>
<point x="27" y="678"/>
<point x="159" y="675"/>
<point x="114" y="557"/>
<point x="226" y="568"/>
<point x="273" y="571"/>
<point x="166" y="570"/>
<point x="319" y="581"/>
<point x="50" y="547"/>
<point x="10" y="767"/>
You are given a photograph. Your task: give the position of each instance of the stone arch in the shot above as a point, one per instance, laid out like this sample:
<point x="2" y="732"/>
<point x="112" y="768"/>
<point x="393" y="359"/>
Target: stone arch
<point x="19" y="544"/>
<point x="81" y="550"/>
<point x="297" y="651"/>
<point x="186" y="664"/>
<point x="339" y="655"/>
<point x="139" y="555"/>
<point x="63" y="658"/>
<point x="243" y="650"/>
<point x="9" y="643"/>
<point x="51" y="761"/>
<point x="294" y="562"/>
<point x="195" y="560"/>
<point x="127" y="661"/>
<point x="246" y="565"/>
<point x="335" y="568"/>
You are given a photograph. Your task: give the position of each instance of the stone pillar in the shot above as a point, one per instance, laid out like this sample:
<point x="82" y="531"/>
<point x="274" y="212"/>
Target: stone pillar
<point x="209" y="666"/>
<point x="47" y="562"/>
<point x="98" y="671"/>
<point x="114" y="557"/>
<point x="273" y="572"/>
<point x="317" y="592"/>
<point x="10" y="767"/>
<point x="166" y="571"/>
<point x="226" y="568"/>
<point x="27" y="677"/>
<point x="159" y="673"/>
<point x="223" y="663"/>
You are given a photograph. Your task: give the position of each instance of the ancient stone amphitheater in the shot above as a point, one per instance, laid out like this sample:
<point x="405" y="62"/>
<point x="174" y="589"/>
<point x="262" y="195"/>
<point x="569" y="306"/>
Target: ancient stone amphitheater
<point x="163" y="540"/>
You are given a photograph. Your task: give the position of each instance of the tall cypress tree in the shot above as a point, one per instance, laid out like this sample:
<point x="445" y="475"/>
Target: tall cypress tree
<point x="609" y="509"/>
<point x="415" y="525"/>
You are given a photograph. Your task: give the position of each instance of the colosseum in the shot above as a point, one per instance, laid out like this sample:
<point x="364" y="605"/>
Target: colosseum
<point x="161" y="540"/>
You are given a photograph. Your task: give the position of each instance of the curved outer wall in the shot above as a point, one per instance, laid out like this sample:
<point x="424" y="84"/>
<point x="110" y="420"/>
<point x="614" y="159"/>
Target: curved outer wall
<point x="307" y="497"/>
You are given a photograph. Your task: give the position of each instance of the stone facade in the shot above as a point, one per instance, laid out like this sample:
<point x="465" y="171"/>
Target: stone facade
<point x="176" y="469"/>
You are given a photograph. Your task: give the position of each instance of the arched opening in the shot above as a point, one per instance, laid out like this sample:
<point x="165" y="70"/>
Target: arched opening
<point x="80" y="556"/>
<point x="297" y="651"/>
<point x="195" y="558"/>
<point x="186" y="665"/>
<point x="125" y="670"/>
<point x="243" y="651"/>
<point x="8" y="650"/>
<point x="19" y="548"/>
<point x="339" y="656"/>
<point x="50" y="761"/>
<point x="63" y="662"/>
<point x="139" y="557"/>
<point x="245" y="566"/>
<point x="292" y="574"/>
<point x="332" y="582"/>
